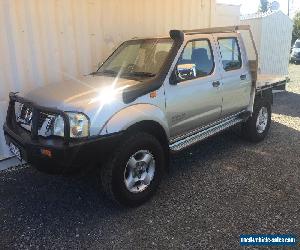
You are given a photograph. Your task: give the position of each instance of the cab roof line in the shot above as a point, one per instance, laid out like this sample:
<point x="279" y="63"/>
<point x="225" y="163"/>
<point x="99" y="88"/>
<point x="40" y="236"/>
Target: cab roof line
<point x="178" y="34"/>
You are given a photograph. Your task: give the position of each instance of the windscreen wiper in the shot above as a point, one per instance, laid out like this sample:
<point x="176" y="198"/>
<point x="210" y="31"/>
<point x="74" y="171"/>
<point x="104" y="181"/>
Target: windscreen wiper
<point x="142" y="74"/>
<point x="107" y="72"/>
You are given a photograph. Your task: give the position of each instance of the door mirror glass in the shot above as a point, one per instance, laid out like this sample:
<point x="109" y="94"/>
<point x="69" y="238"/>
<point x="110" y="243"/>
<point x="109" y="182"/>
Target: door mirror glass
<point x="186" y="71"/>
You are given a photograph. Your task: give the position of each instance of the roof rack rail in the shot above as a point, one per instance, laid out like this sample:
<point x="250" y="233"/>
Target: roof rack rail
<point x="217" y="30"/>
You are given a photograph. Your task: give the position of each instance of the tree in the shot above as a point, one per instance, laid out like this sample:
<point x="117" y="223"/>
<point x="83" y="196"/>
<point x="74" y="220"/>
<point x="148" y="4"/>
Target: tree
<point x="264" y="6"/>
<point x="296" y="30"/>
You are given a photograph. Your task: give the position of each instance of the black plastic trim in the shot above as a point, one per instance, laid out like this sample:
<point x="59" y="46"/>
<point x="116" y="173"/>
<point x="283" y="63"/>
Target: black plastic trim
<point x="75" y="153"/>
<point x="265" y="94"/>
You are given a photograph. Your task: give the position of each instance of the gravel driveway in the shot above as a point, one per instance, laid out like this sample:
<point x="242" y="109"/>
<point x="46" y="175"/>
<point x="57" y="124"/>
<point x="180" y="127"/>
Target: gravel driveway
<point x="214" y="192"/>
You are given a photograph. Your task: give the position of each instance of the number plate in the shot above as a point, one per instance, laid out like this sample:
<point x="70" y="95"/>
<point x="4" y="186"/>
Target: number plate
<point x="15" y="151"/>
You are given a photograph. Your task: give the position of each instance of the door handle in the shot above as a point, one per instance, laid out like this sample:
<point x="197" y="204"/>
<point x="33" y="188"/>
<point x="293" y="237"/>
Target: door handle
<point x="243" y="77"/>
<point x="216" y="84"/>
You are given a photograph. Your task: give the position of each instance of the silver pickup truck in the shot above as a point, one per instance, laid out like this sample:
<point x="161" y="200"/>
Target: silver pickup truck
<point x="151" y="97"/>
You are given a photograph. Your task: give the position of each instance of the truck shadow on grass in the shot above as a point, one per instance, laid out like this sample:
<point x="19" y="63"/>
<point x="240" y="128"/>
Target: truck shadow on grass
<point x="56" y="203"/>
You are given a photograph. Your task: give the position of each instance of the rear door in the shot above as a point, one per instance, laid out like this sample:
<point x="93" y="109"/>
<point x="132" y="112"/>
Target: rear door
<point x="195" y="102"/>
<point x="236" y="79"/>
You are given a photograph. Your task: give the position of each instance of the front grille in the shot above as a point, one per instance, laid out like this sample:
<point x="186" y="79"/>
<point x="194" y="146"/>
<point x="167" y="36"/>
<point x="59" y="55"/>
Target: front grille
<point x="42" y="119"/>
<point x="24" y="115"/>
<point x="46" y="124"/>
<point x="37" y="120"/>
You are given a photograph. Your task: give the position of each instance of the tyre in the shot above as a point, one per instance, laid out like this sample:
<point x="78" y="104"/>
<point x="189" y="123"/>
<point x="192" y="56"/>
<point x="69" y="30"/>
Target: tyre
<point x="256" y="128"/>
<point x="132" y="174"/>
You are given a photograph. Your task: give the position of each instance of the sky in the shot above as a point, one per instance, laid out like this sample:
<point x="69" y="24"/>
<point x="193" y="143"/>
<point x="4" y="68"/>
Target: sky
<point x="251" y="6"/>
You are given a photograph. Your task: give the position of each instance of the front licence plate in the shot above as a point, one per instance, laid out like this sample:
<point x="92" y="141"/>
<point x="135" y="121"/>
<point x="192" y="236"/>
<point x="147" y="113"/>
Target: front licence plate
<point x="15" y="150"/>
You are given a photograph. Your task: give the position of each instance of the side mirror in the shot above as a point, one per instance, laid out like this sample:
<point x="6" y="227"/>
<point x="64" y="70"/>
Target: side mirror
<point x="186" y="71"/>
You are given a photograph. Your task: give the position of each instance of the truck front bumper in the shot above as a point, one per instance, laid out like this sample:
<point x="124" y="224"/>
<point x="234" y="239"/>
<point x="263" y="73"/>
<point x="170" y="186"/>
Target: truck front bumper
<point x="54" y="155"/>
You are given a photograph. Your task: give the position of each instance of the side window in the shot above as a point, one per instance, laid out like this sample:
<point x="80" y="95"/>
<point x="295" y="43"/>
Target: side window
<point x="195" y="61"/>
<point x="230" y="53"/>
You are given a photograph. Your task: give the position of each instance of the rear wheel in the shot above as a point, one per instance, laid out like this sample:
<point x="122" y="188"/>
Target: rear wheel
<point x="256" y="128"/>
<point x="132" y="174"/>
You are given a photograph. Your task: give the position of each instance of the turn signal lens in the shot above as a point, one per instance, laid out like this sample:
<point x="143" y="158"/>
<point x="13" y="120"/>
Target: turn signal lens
<point x="46" y="152"/>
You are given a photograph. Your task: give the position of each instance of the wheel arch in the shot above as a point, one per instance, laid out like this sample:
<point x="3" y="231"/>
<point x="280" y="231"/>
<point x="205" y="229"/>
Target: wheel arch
<point x="155" y="129"/>
<point x="141" y="117"/>
<point x="136" y="114"/>
<point x="151" y="127"/>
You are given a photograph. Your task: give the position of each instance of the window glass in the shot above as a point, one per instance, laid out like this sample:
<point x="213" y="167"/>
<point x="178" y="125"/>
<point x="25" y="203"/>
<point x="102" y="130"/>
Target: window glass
<point x="230" y="52"/>
<point x="138" y="58"/>
<point x="197" y="55"/>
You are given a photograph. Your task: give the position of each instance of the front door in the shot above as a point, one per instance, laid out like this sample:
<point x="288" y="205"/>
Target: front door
<point x="195" y="100"/>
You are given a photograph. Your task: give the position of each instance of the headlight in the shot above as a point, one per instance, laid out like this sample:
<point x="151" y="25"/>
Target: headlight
<point x="79" y="125"/>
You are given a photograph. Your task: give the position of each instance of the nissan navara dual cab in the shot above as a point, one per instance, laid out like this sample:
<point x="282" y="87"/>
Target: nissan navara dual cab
<point x="151" y="97"/>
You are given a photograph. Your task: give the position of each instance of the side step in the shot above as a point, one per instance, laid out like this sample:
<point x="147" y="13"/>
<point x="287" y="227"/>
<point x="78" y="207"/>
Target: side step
<point x="202" y="135"/>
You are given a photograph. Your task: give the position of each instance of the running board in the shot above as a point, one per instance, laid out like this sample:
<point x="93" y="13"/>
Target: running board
<point x="202" y="135"/>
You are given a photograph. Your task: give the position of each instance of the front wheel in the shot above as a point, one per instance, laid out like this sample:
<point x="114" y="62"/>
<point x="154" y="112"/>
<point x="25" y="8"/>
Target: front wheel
<point x="256" y="128"/>
<point x="132" y="174"/>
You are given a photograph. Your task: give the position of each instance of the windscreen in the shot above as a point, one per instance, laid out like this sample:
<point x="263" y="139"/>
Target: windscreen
<point x="297" y="45"/>
<point x="138" y="58"/>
